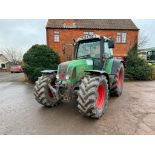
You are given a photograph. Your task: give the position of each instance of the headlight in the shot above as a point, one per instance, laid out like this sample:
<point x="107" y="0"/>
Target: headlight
<point x="67" y="77"/>
<point x="57" y="76"/>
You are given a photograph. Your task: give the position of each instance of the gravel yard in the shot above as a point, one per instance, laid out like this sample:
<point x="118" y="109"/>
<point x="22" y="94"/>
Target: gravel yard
<point x="132" y="113"/>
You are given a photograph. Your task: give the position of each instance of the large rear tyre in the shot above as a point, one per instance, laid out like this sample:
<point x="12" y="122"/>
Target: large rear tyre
<point x="42" y="92"/>
<point x="117" y="85"/>
<point x="93" y="96"/>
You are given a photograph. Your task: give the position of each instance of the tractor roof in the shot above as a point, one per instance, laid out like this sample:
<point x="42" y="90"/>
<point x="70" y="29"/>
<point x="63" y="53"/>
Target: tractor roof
<point x="89" y="37"/>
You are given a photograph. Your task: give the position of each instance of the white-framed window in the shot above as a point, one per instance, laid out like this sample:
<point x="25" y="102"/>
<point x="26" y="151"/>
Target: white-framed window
<point x="88" y="33"/>
<point x="121" y="37"/>
<point x="118" y="38"/>
<point x="56" y="36"/>
<point x="124" y="37"/>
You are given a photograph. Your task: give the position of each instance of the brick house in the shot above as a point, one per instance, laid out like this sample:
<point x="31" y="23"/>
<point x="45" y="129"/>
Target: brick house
<point x="61" y="32"/>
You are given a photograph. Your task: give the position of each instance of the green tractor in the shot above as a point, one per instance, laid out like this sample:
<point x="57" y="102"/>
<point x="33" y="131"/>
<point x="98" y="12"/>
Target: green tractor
<point x="89" y="79"/>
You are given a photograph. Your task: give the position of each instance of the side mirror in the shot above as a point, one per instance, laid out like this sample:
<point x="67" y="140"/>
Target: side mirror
<point x="111" y="44"/>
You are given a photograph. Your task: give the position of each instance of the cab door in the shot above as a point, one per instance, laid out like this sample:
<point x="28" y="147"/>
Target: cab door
<point x="107" y="58"/>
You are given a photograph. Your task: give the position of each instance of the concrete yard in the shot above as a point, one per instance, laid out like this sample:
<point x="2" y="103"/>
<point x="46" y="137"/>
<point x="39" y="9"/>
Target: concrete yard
<point x="132" y="113"/>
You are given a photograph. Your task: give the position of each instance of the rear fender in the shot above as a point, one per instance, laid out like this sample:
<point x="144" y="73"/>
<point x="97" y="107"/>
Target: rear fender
<point x="116" y="65"/>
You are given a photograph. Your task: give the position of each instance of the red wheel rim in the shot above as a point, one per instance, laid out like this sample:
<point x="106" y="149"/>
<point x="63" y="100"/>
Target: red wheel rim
<point x="50" y="94"/>
<point x="101" y="96"/>
<point x="120" y="79"/>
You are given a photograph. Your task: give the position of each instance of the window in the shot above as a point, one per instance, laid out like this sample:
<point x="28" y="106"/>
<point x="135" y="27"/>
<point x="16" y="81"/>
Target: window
<point x="118" y="38"/>
<point x="107" y="51"/>
<point x="124" y="37"/>
<point x="3" y="65"/>
<point x="88" y="33"/>
<point x="91" y="49"/>
<point x="121" y="37"/>
<point x="56" y="36"/>
<point x="149" y="53"/>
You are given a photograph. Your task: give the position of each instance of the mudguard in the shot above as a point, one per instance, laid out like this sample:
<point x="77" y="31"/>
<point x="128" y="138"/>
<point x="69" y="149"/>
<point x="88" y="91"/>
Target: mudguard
<point x="115" y="66"/>
<point x="96" y="71"/>
<point x="48" y="71"/>
<point x="99" y="72"/>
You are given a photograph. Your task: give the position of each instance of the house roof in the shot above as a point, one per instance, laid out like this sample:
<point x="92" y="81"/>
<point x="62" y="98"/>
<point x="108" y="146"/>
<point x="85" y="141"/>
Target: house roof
<point x="146" y="49"/>
<point x="108" y="24"/>
<point x="2" y="57"/>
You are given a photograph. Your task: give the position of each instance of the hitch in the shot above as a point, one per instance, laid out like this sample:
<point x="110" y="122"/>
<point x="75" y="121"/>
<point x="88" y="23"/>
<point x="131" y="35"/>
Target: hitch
<point x="54" y="91"/>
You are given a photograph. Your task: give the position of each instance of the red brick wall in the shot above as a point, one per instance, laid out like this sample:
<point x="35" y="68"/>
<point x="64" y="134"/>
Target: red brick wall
<point x="67" y="36"/>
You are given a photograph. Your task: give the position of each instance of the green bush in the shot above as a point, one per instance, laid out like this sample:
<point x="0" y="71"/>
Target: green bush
<point x="38" y="58"/>
<point x="137" y="68"/>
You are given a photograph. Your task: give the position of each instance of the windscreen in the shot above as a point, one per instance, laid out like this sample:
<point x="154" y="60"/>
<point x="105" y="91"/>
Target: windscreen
<point x="151" y="55"/>
<point x="91" y="49"/>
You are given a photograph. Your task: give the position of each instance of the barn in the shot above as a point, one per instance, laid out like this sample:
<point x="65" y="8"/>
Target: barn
<point x="61" y="32"/>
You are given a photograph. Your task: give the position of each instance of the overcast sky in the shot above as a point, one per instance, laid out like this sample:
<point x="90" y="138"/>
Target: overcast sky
<point x="147" y="28"/>
<point x="22" y="34"/>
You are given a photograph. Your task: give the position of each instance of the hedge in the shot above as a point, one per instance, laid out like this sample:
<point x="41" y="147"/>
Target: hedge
<point x="38" y="58"/>
<point x="136" y="67"/>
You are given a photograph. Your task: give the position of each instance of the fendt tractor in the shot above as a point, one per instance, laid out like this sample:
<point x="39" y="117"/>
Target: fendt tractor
<point x="89" y="79"/>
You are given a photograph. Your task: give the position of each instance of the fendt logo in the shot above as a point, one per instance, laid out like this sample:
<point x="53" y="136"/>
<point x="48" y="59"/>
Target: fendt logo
<point x="88" y="36"/>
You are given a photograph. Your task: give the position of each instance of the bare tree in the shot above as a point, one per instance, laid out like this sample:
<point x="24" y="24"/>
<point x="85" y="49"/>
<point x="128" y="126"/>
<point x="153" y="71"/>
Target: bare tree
<point x="13" y="55"/>
<point x="143" y="40"/>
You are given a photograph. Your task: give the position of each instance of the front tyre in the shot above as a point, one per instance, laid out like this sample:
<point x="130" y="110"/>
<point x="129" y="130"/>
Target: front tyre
<point x="93" y="96"/>
<point x="42" y="92"/>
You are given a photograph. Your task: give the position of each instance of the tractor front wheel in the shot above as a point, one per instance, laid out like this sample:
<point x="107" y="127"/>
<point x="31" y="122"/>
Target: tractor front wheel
<point x="93" y="96"/>
<point x="42" y="91"/>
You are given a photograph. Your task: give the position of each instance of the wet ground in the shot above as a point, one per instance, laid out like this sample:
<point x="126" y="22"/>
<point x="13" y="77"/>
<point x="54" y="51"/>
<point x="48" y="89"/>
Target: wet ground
<point x="132" y="113"/>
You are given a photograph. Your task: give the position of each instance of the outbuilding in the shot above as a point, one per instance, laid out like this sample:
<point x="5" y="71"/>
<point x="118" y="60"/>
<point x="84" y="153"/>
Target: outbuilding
<point x="4" y="63"/>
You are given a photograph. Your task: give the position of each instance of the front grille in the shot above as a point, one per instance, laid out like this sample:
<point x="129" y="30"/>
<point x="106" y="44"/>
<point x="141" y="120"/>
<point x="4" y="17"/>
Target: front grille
<point x="62" y="68"/>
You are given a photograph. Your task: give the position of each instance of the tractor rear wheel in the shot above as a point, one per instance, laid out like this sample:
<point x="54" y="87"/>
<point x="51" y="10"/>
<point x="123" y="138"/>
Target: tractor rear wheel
<point x="117" y="85"/>
<point x="93" y="96"/>
<point x="42" y="92"/>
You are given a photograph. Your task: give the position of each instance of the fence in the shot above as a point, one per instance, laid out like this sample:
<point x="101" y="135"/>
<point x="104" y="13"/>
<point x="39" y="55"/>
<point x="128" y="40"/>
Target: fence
<point x="4" y="70"/>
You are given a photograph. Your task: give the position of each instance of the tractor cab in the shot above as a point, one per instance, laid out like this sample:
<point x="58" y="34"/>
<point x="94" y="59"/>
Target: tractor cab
<point x="151" y="56"/>
<point x="94" y="47"/>
<point x="148" y="55"/>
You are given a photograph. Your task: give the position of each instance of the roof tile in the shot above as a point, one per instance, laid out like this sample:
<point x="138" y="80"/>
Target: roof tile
<point x="119" y="24"/>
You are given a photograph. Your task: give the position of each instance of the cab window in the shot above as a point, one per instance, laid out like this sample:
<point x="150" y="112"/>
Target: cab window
<point x="107" y="51"/>
<point x="91" y="48"/>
